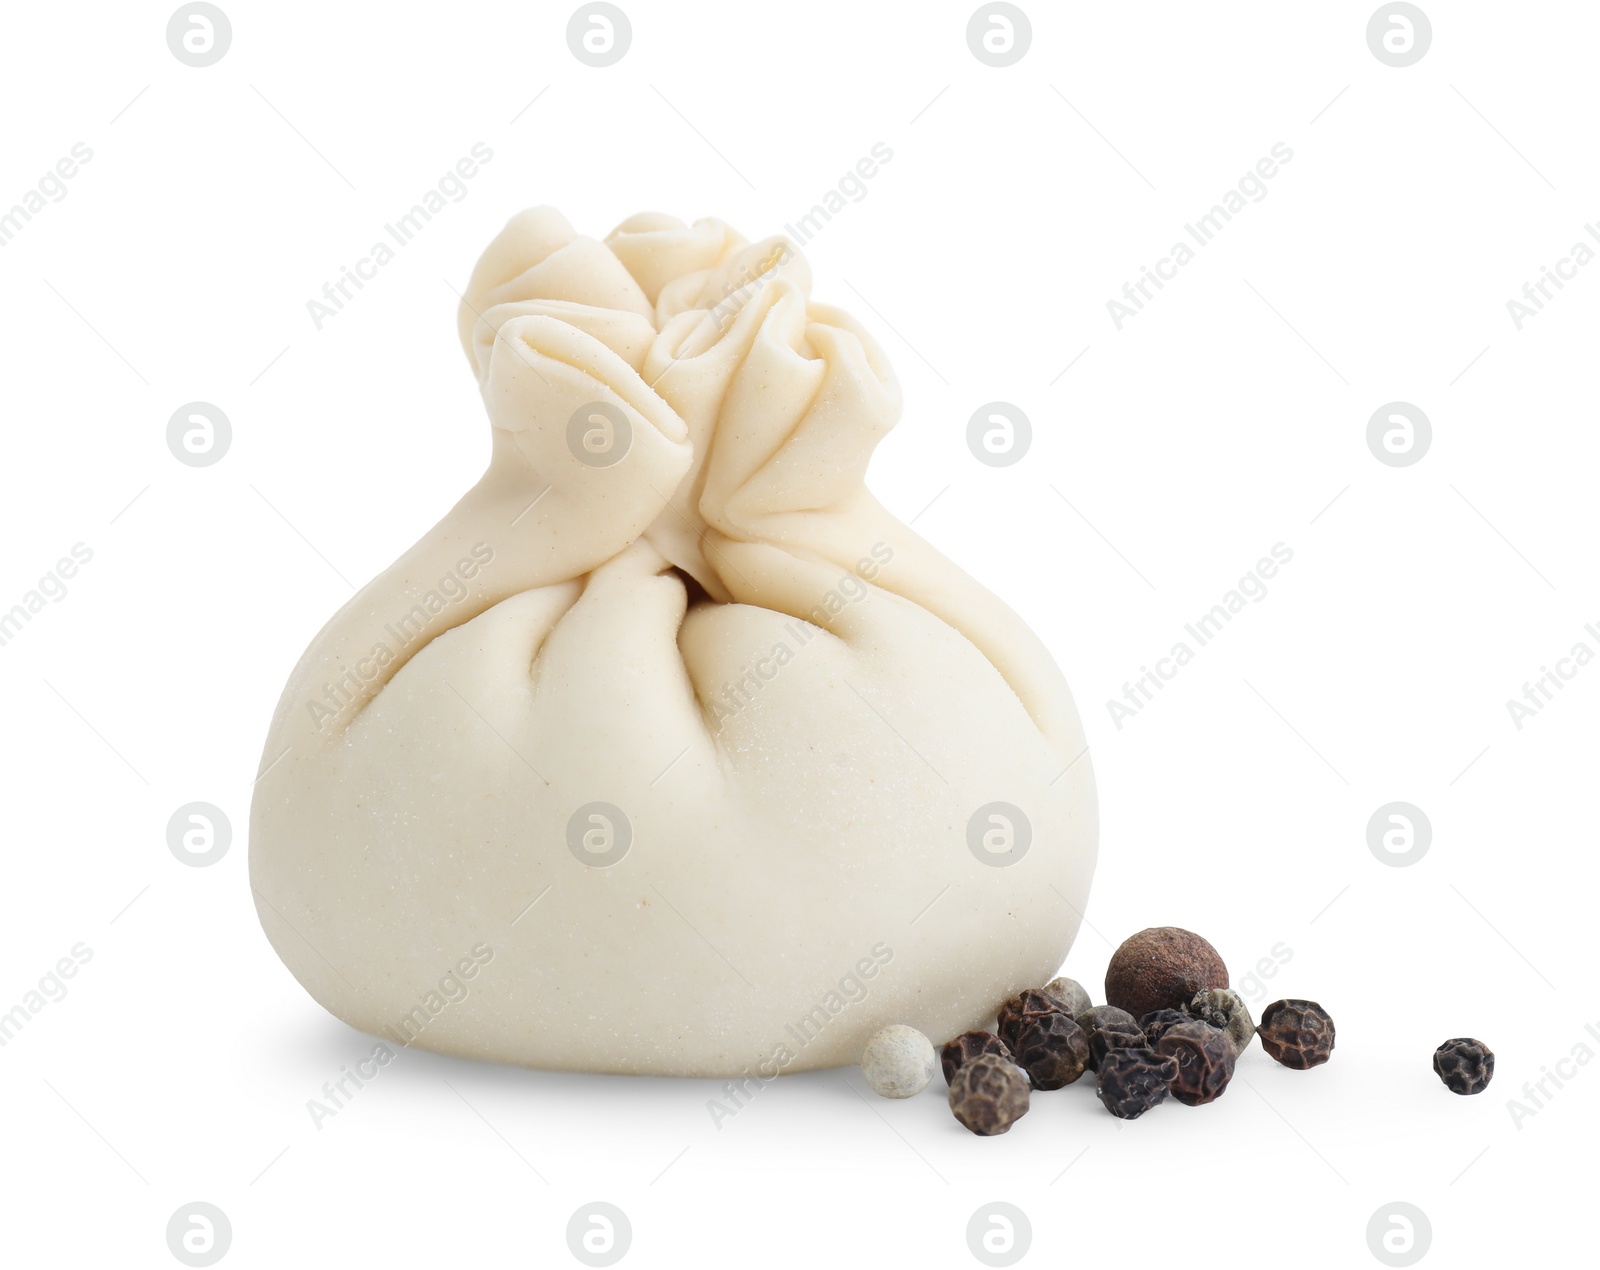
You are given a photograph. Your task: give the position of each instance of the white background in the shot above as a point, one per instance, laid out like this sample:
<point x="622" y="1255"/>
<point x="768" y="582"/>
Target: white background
<point x="1228" y="416"/>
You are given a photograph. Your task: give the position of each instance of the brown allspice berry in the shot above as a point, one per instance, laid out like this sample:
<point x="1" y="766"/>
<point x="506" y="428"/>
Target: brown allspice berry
<point x="968" y="1046"/>
<point x="1297" y="1033"/>
<point x="989" y="1095"/>
<point x="1161" y="969"/>
<point x="1205" y="1060"/>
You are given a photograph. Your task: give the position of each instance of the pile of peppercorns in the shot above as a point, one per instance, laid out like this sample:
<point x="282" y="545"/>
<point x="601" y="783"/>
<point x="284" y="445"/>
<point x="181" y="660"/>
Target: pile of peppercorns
<point x="1170" y="1025"/>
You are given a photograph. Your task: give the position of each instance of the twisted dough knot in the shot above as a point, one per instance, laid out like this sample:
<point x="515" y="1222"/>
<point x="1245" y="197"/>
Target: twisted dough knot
<point x="715" y="339"/>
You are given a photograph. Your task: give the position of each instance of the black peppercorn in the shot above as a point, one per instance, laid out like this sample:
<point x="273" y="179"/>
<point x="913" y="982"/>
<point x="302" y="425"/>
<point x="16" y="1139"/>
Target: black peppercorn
<point x="1466" y="1066"/>
<point x="1053" y="1050"/>
<point x="968" y="1046"/>
<point x="1045" y="1041"/>
<point x="1297" y="1033"/>
<point x="988" y="1095"/>
<point x="1155" y="1024"/>
<point x="1020" y="1010"/>
<point x="1074" y="1000"/>
<point x="1109" y="1028"/>
<point x="1205" y="1060"/>
<point x="1131" y="1081"/>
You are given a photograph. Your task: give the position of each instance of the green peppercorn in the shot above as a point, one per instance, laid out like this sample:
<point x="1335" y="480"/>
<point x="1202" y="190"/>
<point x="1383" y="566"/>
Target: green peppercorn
<point x="1225" y="1008"/>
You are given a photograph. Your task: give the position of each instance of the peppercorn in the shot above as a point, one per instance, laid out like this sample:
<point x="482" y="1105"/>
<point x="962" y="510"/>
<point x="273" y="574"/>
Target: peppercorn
<point x="1161" y="969"/>
<point x="1109" y="1028"/>
<point x="897" y="1062"/>
<point x="1044" y="1039"/>
<point x="1131" y="1081"/>
<point x="1074" y="1000"/>
<point x="1297" y="1033"/>
<point x="989" y="1094"/>
<point x="1052" y="1049"/>
<point x="968" y="1046"/>
<point x="1205" y="1061"/>
<point x="1466" y="1066"/>
<point x="1022" y="1009"/>
<point x="1155" y="1024"/>
<point x="1224" y="1008"/>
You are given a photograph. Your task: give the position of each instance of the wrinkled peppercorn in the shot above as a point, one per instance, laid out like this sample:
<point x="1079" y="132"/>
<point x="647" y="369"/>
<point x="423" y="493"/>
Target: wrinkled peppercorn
<point x="1161" y="969"/>
<point x="988" y="1095"/>
<point x="1224" y="1008"/>
<point x="1019" y="1011"/>
<point x="1131" y="1081"/>
<point x="968" y="1046"/>
<point x="1052" y="1049"/>
<point x="1043" y="1038"/>
<point x="1155" y="1024"/>
<point x="1095" y="1016"/>
<point x="1109" y="1028"/>
<point x="1074" y="1000"/>
<point x="1297" y="1033"/>
<point x="1466" y="1066"/>
<point x="1205" y="1060"/>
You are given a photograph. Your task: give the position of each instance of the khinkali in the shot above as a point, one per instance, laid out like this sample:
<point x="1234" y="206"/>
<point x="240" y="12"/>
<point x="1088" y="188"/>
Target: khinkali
<point x="669" y="749"/>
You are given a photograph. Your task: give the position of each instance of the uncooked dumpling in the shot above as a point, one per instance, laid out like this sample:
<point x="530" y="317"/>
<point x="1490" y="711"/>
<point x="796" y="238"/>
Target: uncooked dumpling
<point x="669" y="749"/>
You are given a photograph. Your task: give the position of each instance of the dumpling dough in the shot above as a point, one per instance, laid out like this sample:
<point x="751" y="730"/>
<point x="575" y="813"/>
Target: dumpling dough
<point x="671" y="596"/>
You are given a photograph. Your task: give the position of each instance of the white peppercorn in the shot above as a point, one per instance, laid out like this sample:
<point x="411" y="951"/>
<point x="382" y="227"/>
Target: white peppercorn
<point x="898" y="1062"/>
